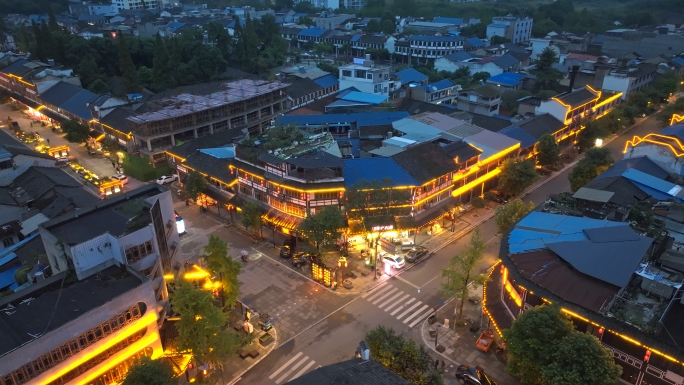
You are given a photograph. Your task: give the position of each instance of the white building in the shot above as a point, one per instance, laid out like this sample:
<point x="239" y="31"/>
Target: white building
<point x="327" y="4"/>
<point x="119" y="5"/>
<point x="538" y="45"/>
<point x="101" y="9"/>
<point x="629" y="79"/>
<point x="353" y="4"/>
<point x="511" y="27"/>
<point x="366" y="76"/>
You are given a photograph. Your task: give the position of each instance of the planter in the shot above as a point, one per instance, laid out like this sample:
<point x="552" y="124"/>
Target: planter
<point x="441" y="348"/>
<point x="474" y="328"/>
<point x="266" y="339"/>
<point x="432" y="332"/>
<point x="432" y="319"/>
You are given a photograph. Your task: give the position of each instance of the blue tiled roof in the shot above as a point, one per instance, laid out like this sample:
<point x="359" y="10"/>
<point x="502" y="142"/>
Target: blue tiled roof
<point x="437" y="86"/>
<point x="369" y="169"/>
<point x="674" y="130"/>
<point x="511" y="79"/>
<point x="312" y="32"/>
<point x="678" y="60"/>
<point x="641" y="163"/>
<point x="459" y="56"/>
<point x="448" y="20"/>
<point x="220" y="152"/>
<point x="70" y="98"/>
<point x="476" y="42"/>
<point x="435" y="38"/>
<point x="658" y="188"/>
<point x="515" y="132"/>
<point x="176" y="25"/>
<point x="356" y="37"/>
<point x="243" y="22"/>
<point x="363" y="97"/>
<point x="327" y="81"/>
<point x="361" y="119"/>
<point x="411" y="75"/>
<point x="506" y="61"/>
<point x="497" y="25"/>
<point x="7" y="277"/>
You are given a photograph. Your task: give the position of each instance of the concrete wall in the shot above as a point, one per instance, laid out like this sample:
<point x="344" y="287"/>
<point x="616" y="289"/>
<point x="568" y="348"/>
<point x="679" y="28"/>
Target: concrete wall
<point x="57" y="252"/>
<point x="617" y="83"/>
<point x="659" y="154"/>
<point x="553" y="108"/>
<point x="95" y="251"/>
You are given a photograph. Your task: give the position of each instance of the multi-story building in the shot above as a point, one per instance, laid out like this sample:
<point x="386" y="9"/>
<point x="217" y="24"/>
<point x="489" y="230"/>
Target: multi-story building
<point x="353" y="4"/>
<point x="248" y="104"/>
<point x="424" y="49"/>
<point x="444" y="91"/>
<point x="626" y="79"/>
<point x="366" y="76"/>
<point x="493" y="65"/>
<point x="511" y="27"/>
<point x="106" y="299"/>
<point x="120" y="5"/>
<point x="484" y="100"/>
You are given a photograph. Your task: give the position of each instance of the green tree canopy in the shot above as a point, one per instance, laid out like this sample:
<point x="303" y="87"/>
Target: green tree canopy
<point x="388" y="27"/>
<point x="251" y="216"/>
<point x="324" y="227"/>
<point x="162" y="77"/>
<point x="98" y="87"/>
<point x="462" y="271"/>
<point x="75" y="131"/>
<point x="595" y="161"/>
<point x="195" y="184"/>
<point x="516" y="175"/>
<point x="146" y="371"/>
<point x="129" y="74"/>
<point x="601" y="157"/>
<point x="593" y="130"/>
<point x="549" y="152"/>
<point x="581" y="359"/>
<point x="373" y="26"/>
<point x="510" y="213"/>
<point x="201" y="328"/>
<point x="223" y="266"/>
<point x="547" y="76"/>
<point x="110" y="145"/>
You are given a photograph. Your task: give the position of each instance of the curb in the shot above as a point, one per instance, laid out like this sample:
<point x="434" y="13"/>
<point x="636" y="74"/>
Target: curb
<point x="242" y="373"/>
<point x="429" y="345"/>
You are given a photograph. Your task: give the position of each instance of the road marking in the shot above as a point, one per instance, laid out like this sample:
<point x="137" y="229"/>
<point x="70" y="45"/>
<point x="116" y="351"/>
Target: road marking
<point x="379" y="292"/>
<point x="405" y="281"/>
<point x="292" y="369"/>
<point x="422" y="317"/>
<point x="387" y="294"/>
<point x="284" y="366"/>
<point x="395" y="303"/>
<point x="415" y="305"/>
<point x="366" y="294"/>
<point x="392" y="299"/>
<point x="407" y="319"/>
<point x="312" y="363"/>
<point x="402" y="306"/>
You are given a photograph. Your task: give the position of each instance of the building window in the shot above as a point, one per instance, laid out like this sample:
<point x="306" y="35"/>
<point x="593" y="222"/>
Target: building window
<point x="346" y="73"/>
<point x="136" y="253"/>
<point x="7" y="242"/>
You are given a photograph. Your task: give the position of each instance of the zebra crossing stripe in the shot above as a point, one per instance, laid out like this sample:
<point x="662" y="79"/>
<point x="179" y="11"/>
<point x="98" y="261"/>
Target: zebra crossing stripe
<point x="415" y="305"/>
<point x="379" y="292"/>
<point x="366" y="294"/>
<point x="402" y="306"/>
<point x="312" y="363"/>
<point x="387" y="294"/>
<point x="391" y="299"/>
<point x="292" y="369"/>
<point x="272" y="376"/>
<point x="407" y="319"/>
<point x="422" y="317"/>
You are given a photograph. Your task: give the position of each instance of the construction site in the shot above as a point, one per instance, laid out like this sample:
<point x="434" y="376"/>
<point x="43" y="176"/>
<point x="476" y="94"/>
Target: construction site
<point x="248" y="105"/>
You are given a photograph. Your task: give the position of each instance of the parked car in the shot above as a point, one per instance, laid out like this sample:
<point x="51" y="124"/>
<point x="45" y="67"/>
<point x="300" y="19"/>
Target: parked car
<point x="395" y="261"/>
<point x="499" y="197"/>
<point x="416" y="253"/>
<point x="165" y="179"/>
<point x="300" y="259"/>
<point x="473" y="375"/>
<point x="121" y="178"/>
<point x="286" y="251"/>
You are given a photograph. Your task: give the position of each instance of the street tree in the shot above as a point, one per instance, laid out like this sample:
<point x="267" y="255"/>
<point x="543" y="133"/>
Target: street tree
<point x="462" y="272"/>
<point x="532" y="341"/>
<point x="547" y="76"/>
<point x="226" y="268"/>
<point x="129" y="75"/>
<point x="593" y="130"/>
<point x="581" y="174"/>
<point x="110" y="145"/>
<point x="508" y="214"/>
<point x="146" y="371"/>
<point x="601" y="157"/>
<point x="195" y="184"/>
<point x="581" y="359"/>
<point x="323" y="227"/>
<point x="478" y="202"/>
<point x="388" y="27"/>
<point x="548" y="151"/>
<point x="251" y="216"/>
<point x="201" y="328"/>
<point x="402" y="356"/>
<point x="76" y="132"/>
<point x="516" y="175"/>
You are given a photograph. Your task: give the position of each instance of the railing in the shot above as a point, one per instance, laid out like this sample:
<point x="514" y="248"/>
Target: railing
<point x="624" y="357"/>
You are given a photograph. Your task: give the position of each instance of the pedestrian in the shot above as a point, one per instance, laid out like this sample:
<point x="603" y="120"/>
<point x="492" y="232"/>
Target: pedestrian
<point x="436" y="364"/>
<point x="187" y="202"/>
<point x="31" y="124"/>
<point x="442" y="365"/>
<point x="114" y="165"/>
<point x="48" y="141"/>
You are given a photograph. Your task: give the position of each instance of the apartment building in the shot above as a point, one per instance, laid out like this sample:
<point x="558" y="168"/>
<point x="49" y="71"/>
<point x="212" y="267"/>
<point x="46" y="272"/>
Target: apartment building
<point x="424" y="48"/>
<point x="120" y="5"/>
<point x="511" y="27"/>
<point x="484" y="100"/>
<point x="246" y="104"/>
<point x="629" y="78"/>
<point x="117" y="252"/>
<point x="368" y="77"/>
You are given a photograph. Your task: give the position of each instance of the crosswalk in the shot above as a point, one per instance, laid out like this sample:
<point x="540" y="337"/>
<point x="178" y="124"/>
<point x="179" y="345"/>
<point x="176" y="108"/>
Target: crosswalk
<point x="398" y="304"/>
<point x="294" y="368"/>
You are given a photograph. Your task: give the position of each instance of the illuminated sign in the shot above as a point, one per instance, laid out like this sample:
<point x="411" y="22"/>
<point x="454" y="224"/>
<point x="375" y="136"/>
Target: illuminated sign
<point x="383" y="228"/>
<point x="322" y="273"/>
<point x="180" y="224"/>
<point x="182" y="169"/>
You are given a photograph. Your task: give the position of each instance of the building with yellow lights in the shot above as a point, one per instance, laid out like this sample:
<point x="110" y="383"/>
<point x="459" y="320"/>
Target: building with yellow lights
<point x="104" y="303"/>
<point x="665" y="148"/>
<point x="596" y="271"/>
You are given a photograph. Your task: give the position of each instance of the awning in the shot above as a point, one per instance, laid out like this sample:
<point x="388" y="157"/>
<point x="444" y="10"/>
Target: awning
<point x="281" y="219"/>
<point x="217" y="196"/>
<point x="25" y="100"/>
<point x="52" y="115"/>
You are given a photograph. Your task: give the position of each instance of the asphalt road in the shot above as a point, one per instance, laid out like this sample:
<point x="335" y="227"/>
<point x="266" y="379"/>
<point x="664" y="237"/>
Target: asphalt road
<point x="336" y="336"/>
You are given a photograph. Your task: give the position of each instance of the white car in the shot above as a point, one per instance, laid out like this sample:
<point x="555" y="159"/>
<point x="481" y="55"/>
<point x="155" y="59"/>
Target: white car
<point x="121" y="178"/>
<point x="395" y="261"/>
<point x="164" y="179"/>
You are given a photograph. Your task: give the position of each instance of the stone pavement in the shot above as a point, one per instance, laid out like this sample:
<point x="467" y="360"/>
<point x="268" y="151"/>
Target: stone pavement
<point x="234" y="367"/>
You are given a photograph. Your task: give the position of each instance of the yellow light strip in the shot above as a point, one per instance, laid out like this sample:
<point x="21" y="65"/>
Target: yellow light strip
<point x="434" y="194"/>
<point x="121" y="356"/>
<point x="500" y="154"/>
<point x="484" y="299"/>
<point x="476" y="182"/>
<point x="99" y="138"/>
<point x="636" y="140"/>
<point x="146" y="320"/>
<point x="676" y="119"/>
<point x="607" y="101"/>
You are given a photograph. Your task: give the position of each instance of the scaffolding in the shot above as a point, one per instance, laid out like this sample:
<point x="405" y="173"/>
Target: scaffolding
<point x="185" y="111"/>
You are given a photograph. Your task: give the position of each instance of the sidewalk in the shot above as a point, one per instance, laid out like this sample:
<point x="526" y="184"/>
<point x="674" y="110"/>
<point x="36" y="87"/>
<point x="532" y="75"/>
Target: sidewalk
<point x="235" y="367"/>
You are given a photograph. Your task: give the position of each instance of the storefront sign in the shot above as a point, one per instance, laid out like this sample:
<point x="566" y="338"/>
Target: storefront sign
<point x="383" y="228"/>
<point x="182" y="169"/>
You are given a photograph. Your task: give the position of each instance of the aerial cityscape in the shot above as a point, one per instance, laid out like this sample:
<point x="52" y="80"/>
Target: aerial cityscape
<point x="338" y="192"/>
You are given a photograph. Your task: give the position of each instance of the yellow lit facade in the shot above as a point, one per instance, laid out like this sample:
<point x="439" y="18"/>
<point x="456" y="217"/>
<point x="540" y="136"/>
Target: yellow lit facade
<point x="670" y="142"/>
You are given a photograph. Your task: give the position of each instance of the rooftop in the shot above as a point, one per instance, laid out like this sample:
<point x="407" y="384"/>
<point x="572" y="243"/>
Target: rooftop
<point x="411" y="75"/>
<point x="48" y="306"/>
<point x="366" y="169"/>
<point x="577" y="98"/>
<point x="425" y="161"/>
<point x="510" y="79"/>
<point x="490" y="143"/>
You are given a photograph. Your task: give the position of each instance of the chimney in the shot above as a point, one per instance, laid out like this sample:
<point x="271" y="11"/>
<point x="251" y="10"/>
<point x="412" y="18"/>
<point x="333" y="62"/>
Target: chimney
<point x="573" y="74"/>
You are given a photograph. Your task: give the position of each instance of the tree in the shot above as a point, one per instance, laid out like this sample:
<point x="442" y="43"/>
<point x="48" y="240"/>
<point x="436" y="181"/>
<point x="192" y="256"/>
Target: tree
<point x="516" y="175"/>
<point x="499" y="40"/>
<point x="110" y="145"/>
<point x="129" y="75"/>
<point x="547" y="76"/>
<point x="195" y="184"/>
<point x="251" y="216"/>
<point x="402" y="356"/>
<point x="593" y="130"/>
<point x="250" y="43"/>
<point x="222" y="265"/>
<point x="306" y="20"/>
<point x="461" y="271"/>
<point x="548" y="151"/>
<point x="145" y="75"/>
<point x="478" y="202"/>
<point x="98" y="87"/>
<point x="546" y="94"/>
<point x="601" y="157"/>
<point x="323" y="227"/>
<point x="52" y="20"/>
<point x="582" y="174"/>
<point x="388" y="27"/>
<point x="75" y="131"/>
<point x="201" y="328"/>
<point x="162" y="78"/>
<point x="475" y="30"/>
<point x="373" y="26"/>
<point x="510" y="213"/>
<point x="581" y="359"/>
<point x="146" y="371"/>
<point x="480" y="76"/>
<point x="532" y="341"/>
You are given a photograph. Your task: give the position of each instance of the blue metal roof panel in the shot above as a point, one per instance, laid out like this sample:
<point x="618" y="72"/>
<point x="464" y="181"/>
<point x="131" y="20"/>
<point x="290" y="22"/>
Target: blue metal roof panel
<point x="16" y="68"/>
<point x="411" y="75"/>
<point x="652" y="182"/>
<point x="367" y="169"/>
<point x="448" y="20"/>
<point x="7" y="277"/>
<point x="312" y="32"/>
<point x="361" y="119"/>
<point x="220" y="152"/>
<point x="641" y="163"/>
<point x="476" y="42"/>
<point x="674" y="130"/>
<point x="327" y="81"/>
<point x="678" y="60"/>
<point x="78" y="104"/>
<point x="435" y="38"/>
<point x="363" y="97"/>
<point x="526" y="140"/>
<point x="507" y="78"/>
<point x="459" y="56"/>
<point x="497" y="25"/>
<point x="356" y="38"/>
<point x="59" y="93"/>
<point x="440" y="85"/>
<point x="379" y="119"/>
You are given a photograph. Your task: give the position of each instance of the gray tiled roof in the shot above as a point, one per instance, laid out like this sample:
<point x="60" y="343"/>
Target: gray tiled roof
<point x="425" y="161"/>
<point x="577" y="98"/>
<point x="212" y="166"/>
<point x="352" y="372"/>
<point x="506" y="61"/>
<point x="217" y="139"/>
<point x="302" y="87"/>
<point x="540" y="125"/>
